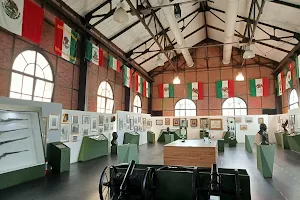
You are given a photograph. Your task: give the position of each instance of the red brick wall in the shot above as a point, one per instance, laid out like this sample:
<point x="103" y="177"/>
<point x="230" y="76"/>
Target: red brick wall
<point x="211" y="105"/>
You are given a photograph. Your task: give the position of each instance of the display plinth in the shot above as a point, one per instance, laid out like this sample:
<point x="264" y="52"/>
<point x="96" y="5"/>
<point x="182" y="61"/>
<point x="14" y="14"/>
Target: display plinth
<point x="232" y="142"/>
<point x="169" y="138"/>
<point x="294" y="142"/>
<point x="226" y="136"/>
<point x="127" y="153"/>
<point x="220" y="145"/>
<point x="131" y="138"/>
<point x="265" y="159"/>
<point x="191" y="153"/>
<point x="150" y="137"/>
<point x="278" y="135"/>
<point x="161" y="137"/>
<point x="59" y="157"/>
<point x="249" y="142"/>
<point x="202" y="134"/>
<point x="285" y="143"/>
<point x="93" y="147"/>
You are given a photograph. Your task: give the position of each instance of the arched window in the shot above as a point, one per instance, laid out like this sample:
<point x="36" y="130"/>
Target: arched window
<point x="137" y="104"/>
<point x="185" y="107"/>
<point x="293" y="100"/>
<point x="105" y="99"/>
<point x="234" y="106"/>
<point x="31" y="78"/>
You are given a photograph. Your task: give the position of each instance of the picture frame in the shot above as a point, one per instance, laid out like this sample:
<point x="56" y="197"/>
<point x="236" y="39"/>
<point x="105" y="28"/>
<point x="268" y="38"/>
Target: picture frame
<point x="75" y="129"/>
<point x="279" y="120"/>
<point x="204" y="123"/>
<point x="100" y="130"/>
<point x="111" y="127"/>
<point x="167" y="121"/>
<point x="106" y="127"/>
<point x="74" y="138"/>
<point x="101" y="120"/>
<point x="121" y="124"/>
<point x="216" y="124"/>
<point x="260" y="120"/>
<point x="135" y="120"/>
<point x="243" y="127"/>
<point x="176" y="121"/>
<point x="144" y="121"/>
<point x="238" y="119"/>
<point x="159" y="122"/>
<point x="107" y="120"/>
<point x="65" y="132"/>
<point x="131" y="124"/>
<point x="149" y="123"/>
<point x="136" y="129"/>
<point x="85" y="131"/>
<point x="128" y="119"/>
<point x="85" y="119"/>
<point x="184" y="122"/>
<point x="53" y="122"/>
<point x="93" y="124"/>
<point x="65" y="118"/>
<point x="249" y="119"/>
<point x="194" y="122"/>
<point x="75" y="119"/>
<point x="139" y="120"/>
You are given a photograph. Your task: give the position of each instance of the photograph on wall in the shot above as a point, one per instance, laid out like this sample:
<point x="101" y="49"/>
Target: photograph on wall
<point x="176" y="121"/>
<point x="101" y="120"/>
<point x="260" y="120"/>
<point x="279" y="120"/>
<point x="238" y="119"/>
<point x="292" y="120"/>
<point x="85" y="119"/>
<point x="144" y="121"/>
<point x="144" y="127"/>
<point x="106" y="127"/>
<point x="149" y="122"/>
<point x="167" y="121"/>
<point x="215" y="124"/>
<point x="93" y="124"/>
<point x="243" y="127"/>
<point x="121" y="124"/>
<point x="65" y="118"/>
<point x="249" y="119"/>
<point x="183" y="122"/>
<point x="159" y="122"/>
<point x="85" y="131"/>
<point x="135" y="120"/>
<point x="74" y="138"/>
<point x="75" y="129"/>
<point x="127" y="119"/>
<point x="53" y="122"/>
<point x="131" y="124"/>
<point x="107" y="120"/>
<point x="140" y="128"/>
<point x="136" y="129"/>
<point x="111" y="127"/>
<point x="100" y="130"/>
<point x="194" y="122"/>
<point x="128" y="127"/>
<point x="139" y="120"/>
<point x="75" y="119"/>
<point x="65" y="131"/>
<point x="204" y="123"/>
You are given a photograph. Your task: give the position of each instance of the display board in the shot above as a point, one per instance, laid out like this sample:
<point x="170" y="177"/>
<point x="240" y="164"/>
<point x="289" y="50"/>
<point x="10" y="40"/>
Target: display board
<point x="20" y="141"/>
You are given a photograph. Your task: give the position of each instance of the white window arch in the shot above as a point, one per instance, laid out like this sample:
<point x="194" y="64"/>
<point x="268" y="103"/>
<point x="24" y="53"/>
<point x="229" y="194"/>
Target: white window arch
<point x="31" y="78"/>
<point x="137" y="104"/>
<point x="234" y="106"/>
<point x="185" y="107"/>
<point x="293" y="100"/>
<point x="105" y="99"/>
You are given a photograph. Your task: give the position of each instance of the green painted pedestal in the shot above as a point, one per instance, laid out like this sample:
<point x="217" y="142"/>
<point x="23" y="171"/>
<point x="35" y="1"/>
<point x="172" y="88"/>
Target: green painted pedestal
<point x="232" y="142"/>
<point x="150" y="137"/>
<point x="225" y="136"/>
<point x="161" y="137"/>
<point x="93" y="147"/>
<point x="265" y="159"/>
<point x="113" y="150"/>
<point x="202" y="134"/>
<point x="59" y="157"/>
<point x="249" y="142"/>
<point x="127" y="153"/>
<point x="294" y="142"/>
<point x="278" y="137"/>
<point x="285" y="143"/>
<point x="131" y="138"/>
<point x="169" y="138"/>
<point x="220" y="145"/>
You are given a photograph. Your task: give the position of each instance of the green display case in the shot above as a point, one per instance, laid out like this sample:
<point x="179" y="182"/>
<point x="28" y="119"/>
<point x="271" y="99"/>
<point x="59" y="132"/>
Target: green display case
<point x="220" y="145"/>
<point x="59" y="157"/>
<point x="175" y="132"/>
<point x="131" y="138"/>
<point x="150" y="137"/>
<point x="265" y="159"/>
<point x="93" y="147"/>
<point x="249" y="142"/>
<point x="294" y="142"/>
<point x="127" y="153"/>
<point x="169" y="138"/>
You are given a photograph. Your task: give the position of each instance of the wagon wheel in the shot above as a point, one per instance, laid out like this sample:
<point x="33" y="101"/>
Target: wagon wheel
<point x="106" y="183"/>
<point x="195" y="184"/>
<point x="148" y="184"/>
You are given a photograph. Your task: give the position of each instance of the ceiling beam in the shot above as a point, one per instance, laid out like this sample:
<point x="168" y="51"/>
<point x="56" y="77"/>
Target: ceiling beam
<point x="286" y="4"/>
<point x="89" y="15"/>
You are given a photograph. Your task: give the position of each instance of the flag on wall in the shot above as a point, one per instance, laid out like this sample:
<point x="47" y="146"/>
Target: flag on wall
<point x="146" y="89"/>
<point x="288" y="78"/>
<point x="22" y="17"/>
<point x="127" y="79"/>
<point x="93" y="53"/>
<point x="65" y="43"/>
<point x="195" y="91"/>
<point x="280" y="86"/>
<point x="166" y="90"/>
<point x="225" y="89"/>
<point x="297" y="60"/>
<point x="139" y="84"/>
<point x="259" y="87"/>
<point x="114" y="64"/>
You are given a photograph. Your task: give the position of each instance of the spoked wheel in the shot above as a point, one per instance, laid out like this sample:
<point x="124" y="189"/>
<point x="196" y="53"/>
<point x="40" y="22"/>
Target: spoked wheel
<point x="148" y="184"/>
<point x="106" y="184"/>
<point x="195" y="186"/>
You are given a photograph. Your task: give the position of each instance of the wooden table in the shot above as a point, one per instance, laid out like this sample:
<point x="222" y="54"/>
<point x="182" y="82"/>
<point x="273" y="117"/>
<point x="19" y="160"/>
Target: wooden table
<point x="191" y="153"/>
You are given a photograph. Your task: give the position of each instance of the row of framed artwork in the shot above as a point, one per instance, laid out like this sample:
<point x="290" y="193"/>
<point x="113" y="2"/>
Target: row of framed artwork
<point x="213" y="124"/>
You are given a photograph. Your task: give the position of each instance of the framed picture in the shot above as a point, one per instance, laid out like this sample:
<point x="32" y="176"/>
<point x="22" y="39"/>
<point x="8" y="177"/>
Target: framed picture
<point x="65" y="118"/>
<point x="139" y="119"/>
<point x="159" y="122"/>
<point x="85" y="119"/>
<point x="244" y="127"/>
<point x="93" y="124"/>
<point x="167" y="121"/>
<point x="100" y="130"/>
<point x="101" y="120"/>
<point x="136" y="129"/>
<point x="260" y="120"/>
<point x="176" y="121"/>
<point x="140" y="128"/>
<point x="135" y="120"/>
<point x="75" y="129"/>
<point x="121" y="124"/>
<point x="216" y="124"/>
<point x="279" y="120"/>
<point x="75" y="119"/>
<point x="131" y="124"/>
<point x="184" y="122"/>
<point x="194" y="122"/>
<point x="111" y="127"/>
<point x="106" y="127"/>
<point x="149" y="123"/>
<point x="144" y="121"/>
<point x="238" y="119"/>
<point x="127" y="119"/>
<point x="85" y="131"/>
<point x="107" y="120"/>
<point x="53" y="122"/>
<point x="74" y="138"/>
<point x="204" y="123"/>
<point x="65" y="132"/>
<point x="248" y="119"/>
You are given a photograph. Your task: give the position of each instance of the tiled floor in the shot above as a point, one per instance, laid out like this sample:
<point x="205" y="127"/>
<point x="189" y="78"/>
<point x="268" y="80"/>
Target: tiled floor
<point x="82" y="180"/>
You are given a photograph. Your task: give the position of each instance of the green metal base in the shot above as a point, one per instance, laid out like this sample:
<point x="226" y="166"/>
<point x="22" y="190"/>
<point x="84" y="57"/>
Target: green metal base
<point x="265" y="159"/>
<point x="150" y="137"/>
<point x="161" y="137"/>
<point x="249" y="142"/>
<point x="127" y="153"/>
<point x="169" y="138"/>
<point x="131" y="138"/>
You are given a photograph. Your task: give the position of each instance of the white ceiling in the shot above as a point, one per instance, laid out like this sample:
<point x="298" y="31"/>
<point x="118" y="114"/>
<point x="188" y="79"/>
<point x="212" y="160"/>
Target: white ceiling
<point x="273" y="14"/>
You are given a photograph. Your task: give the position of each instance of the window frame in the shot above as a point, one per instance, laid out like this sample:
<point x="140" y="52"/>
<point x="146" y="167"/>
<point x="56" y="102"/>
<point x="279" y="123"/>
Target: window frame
<point x="185" y="109"/>
<point x="106" y="98"/>
<point x="234" y="108"/>
<point x="291" y="105"/>
<point x="138" y="107"/>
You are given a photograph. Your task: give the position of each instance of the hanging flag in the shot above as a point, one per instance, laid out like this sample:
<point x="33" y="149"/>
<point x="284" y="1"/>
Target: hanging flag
<point x="225" y="89"/>
<point x="280" y="86"/>
<point x="114" y="64"/>
<point x="138" y="84"/>
<point x="65" y="43"/>
<point x="127" y="80"/>
<point x="297" y="60"/>
<point x="288" y="78"/>
<point x="259" y="87"/>
<point x="22" y="17"/>
<point x="166" y="90"/>
<point x="93" y="53"/>
<point x="146" y="89"/>
<point x="195" y="91"/>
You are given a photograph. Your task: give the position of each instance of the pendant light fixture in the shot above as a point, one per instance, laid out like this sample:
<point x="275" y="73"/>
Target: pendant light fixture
<point x="120" y="14"/>
<point x="176" y="80"/>
<point x="240" y="77"/>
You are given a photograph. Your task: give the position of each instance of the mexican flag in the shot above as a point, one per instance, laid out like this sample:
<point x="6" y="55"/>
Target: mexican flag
<point x="280" y="86"/>
<point x="93" y="53"/>
<point x="259" y="87"/>
<point x="195" y="91"/>
<point x="65" y="43"/>
<point x="22" y="17"/>
<point x="297" y="60"/>
<point x="127" y="79"/>
<point x="146" y="89"/>
<point x="166" y="90"/>
<point x="288" y="78"/>
<point x="114" y="64"/>
<point x="225" y="89"/>
<point x="138" y="84"/>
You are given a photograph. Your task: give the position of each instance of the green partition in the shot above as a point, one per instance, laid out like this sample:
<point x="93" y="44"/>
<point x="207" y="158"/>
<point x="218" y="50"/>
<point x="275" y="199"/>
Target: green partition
<point x="93" y="147"/>
<point x="169" y="138"/>
<point x="131" y="138"/>
<point x="294" y="142"/>
<point x="127" y="153"/>
<point x="175" y="132"/>
<point x="249" y="142"/>
<point x="265" y="159"/>
<point x="59" y="157"/>
<point x="278" y="137"/>
<point x="150" y="137"/>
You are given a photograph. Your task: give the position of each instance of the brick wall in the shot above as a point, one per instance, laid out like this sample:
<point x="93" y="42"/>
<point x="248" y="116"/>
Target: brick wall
<point x="215" y="71"/>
